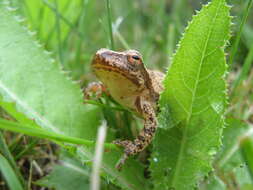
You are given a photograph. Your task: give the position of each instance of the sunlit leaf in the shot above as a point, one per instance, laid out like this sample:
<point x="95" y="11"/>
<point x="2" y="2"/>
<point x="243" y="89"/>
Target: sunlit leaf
<point x="193" y="102"/>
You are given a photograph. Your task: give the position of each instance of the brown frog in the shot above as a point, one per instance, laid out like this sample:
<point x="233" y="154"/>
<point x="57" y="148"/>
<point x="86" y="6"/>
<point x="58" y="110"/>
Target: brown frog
<point x="133" y="86"/>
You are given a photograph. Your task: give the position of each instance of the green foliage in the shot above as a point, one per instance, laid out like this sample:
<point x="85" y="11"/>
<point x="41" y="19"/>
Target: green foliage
<point x="41" y="91"/>
<point x="195" y="96"/>
<point x="43" y="102"/>
<point x="242" y="178"/>
<point x="213" y="183"/>
<point x="7" y="157"/>
<point x="70" y="174"/>
<point x="9" y="174"/>
<point x="44" y="15"/>
<point x="229" y="157"/>
<point x="238" y="36"/>
<point x="52" y="93"/>
<point x="229" y="164"/>
<point x="246" y="146"/>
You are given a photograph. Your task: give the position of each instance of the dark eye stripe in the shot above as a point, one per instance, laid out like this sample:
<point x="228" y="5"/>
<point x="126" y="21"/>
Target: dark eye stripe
<point x="136" y="57"/>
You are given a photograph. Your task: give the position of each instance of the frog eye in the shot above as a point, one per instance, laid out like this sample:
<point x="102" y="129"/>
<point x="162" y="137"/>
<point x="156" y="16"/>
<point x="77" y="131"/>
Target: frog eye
<point x="136" y="57"/>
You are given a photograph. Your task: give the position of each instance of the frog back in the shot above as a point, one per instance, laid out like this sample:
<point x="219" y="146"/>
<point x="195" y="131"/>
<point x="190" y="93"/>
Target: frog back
<point x="156" y="78"/>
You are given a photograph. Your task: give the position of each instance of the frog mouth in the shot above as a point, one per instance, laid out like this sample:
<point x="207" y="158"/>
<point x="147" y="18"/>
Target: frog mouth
<point x="109" y="68"/>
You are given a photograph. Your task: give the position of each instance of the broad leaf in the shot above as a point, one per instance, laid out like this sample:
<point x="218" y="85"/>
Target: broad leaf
<point x="193" y="102"/>
<point x="69" y="174"/>
<point x="30" y="79"/>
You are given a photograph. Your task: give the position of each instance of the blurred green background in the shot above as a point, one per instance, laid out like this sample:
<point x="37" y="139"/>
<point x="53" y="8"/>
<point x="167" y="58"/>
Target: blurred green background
<point x="74" y="30"/>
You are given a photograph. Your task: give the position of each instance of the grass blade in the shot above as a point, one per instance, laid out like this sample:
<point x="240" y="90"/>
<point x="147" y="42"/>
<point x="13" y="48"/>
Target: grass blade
<point x="238" y="36"/>
<point x="41" y="133"/>
<point x="244" y="71"/>
<point x="7" y="154"/>
<point x="9" y="175"/>
<point x="109" y="20"/>
<point x="246" y="146"/>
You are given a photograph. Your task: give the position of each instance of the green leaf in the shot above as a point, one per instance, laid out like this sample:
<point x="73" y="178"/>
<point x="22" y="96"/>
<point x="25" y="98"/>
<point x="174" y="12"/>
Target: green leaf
<point x="43" y="16"/>
<point x="213" y="183"/>
<point x="70" y="174"/>
<point x="30" y="79"/>
<point x="9" y="175"/>
<point x="229" y="157"/>
<point x="42" y="133"/>
<point x="229" y="163"/>
<point x="194" y="100"/>
<point x="246" y="146"/>
<point x="4" y="150"/>
<point x="242" y="179"/>
<point x="10" y="108"/>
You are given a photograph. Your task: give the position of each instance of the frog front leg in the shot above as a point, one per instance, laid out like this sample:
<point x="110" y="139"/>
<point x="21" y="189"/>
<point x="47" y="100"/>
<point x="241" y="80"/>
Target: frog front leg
<point x="94" y="90"/>
<point x="144" y="138"/>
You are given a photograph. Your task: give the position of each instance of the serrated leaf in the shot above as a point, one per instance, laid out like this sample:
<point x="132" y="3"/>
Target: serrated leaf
<point x="195" y="93"/>
<point x="30" y="79"/>
<point x="34" y="83"/>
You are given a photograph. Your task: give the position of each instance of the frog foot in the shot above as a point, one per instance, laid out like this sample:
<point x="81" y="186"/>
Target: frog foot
<point x="94" y="90"/>
<point x="129" y="149"/>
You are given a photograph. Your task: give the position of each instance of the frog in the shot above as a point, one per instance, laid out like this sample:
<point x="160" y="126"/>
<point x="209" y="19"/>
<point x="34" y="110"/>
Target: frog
<point x="123" y="75"/>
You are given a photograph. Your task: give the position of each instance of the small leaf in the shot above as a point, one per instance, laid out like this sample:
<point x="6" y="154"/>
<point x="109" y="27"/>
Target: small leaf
<point x="195" y="92"/>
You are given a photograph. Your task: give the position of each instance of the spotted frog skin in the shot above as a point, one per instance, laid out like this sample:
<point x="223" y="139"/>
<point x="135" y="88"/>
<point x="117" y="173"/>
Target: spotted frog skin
<point x="125" y="77"/>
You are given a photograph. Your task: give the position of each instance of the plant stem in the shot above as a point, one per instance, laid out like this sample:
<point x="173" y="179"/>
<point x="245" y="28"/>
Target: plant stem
<point x="41" y="133"/>
<point x="109" y="19"/>
<point x="238" y="36"/>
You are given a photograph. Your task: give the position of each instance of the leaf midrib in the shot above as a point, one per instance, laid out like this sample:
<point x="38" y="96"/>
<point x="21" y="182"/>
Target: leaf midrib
<point x="28" y="108"/>
<point x="182" y="147"/>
